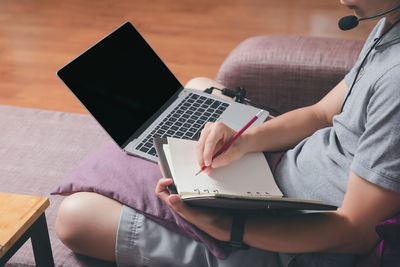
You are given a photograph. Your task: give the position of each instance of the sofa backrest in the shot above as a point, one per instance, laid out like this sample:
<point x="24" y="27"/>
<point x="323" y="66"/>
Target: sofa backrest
<point x="287" y="72"/>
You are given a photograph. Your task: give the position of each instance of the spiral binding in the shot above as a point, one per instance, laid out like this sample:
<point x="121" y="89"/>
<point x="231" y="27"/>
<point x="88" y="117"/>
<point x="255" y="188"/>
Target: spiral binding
<point x="207" y="191"/>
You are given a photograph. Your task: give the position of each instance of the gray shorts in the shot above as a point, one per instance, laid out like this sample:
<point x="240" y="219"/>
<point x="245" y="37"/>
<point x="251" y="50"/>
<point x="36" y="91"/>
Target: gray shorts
<point x="143" y="242"/>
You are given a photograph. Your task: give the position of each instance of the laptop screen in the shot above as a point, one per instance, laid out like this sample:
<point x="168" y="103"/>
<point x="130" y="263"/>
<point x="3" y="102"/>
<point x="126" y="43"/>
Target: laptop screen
<point x="121" y="81"/>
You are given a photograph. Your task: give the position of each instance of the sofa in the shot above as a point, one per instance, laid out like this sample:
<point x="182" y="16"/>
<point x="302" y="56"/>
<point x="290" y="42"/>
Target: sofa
<point x="40" y="147"/>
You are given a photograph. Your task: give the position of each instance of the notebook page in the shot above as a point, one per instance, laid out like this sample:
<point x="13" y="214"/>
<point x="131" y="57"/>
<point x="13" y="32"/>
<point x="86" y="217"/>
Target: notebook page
<point x="248" y="175"/>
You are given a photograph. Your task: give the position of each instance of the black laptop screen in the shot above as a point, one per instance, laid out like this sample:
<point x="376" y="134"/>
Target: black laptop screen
<point x="121" y="81"/>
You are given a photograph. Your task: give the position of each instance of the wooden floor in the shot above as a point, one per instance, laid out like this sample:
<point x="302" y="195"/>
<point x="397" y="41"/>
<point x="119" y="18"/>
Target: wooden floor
<point x="192" y="36"/>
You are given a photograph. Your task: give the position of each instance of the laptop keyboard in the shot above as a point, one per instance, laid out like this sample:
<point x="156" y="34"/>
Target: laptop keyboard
<point x="185" y="121"/>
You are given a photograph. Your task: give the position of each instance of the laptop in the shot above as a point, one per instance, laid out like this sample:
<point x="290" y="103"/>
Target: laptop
<point x="132" y="94"/>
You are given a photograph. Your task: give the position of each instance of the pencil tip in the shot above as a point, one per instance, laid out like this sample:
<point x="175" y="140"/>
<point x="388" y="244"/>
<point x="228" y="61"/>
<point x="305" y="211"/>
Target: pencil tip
<point x="197" y="173"/>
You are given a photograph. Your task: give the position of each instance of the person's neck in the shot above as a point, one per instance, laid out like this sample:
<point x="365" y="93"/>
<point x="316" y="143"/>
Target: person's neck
<point x="390" y="20"/>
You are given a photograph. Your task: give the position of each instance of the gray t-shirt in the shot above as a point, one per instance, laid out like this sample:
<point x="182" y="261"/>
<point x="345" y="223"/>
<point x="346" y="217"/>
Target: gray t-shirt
<point x="364" y="138"/>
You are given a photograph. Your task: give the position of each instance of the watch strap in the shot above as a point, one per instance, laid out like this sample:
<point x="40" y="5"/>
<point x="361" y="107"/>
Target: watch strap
<point x="237" y="232"/>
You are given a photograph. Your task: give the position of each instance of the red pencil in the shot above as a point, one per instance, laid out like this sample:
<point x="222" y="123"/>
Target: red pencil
<point x="229" y="143"/>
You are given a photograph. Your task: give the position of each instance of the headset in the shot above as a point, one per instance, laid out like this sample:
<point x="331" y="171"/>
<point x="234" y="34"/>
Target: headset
<point x="350" y="22"/>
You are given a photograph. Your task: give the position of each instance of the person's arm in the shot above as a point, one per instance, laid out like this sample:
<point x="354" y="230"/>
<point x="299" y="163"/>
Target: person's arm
<point x="350" y="229"/>
<point x="278" y="134"/>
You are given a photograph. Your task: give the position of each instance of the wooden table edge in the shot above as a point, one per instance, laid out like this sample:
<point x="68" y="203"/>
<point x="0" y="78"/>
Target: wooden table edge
<point x="40" y="209"/>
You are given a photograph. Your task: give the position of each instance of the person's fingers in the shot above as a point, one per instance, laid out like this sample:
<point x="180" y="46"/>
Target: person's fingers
<point x="161" y="188"/>
<point x="162" y="185"/>
<point x="201" y="141"/>
<point x="208" y="170"/>
<point x="177" y="204"/>
<point x="223" y="159"/>
<point x="215" y="137"/>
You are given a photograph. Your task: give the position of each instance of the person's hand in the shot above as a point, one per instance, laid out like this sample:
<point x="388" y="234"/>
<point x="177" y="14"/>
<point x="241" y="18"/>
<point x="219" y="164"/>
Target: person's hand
<point x="216" y="225"/>
<point x="173" y="200"/>
<point x="212" y="138"/>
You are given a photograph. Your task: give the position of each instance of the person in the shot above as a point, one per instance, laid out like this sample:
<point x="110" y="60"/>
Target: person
<point x="342" y="150"/>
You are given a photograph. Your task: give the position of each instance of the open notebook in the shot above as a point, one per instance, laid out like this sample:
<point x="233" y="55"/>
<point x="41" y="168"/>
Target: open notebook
<point x="245" y="184"/>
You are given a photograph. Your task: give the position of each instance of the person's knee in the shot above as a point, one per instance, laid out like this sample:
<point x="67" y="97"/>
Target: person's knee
<point x="202" y="83"/>
<point x="71" y="219"/>
<point x="87" y="223"/>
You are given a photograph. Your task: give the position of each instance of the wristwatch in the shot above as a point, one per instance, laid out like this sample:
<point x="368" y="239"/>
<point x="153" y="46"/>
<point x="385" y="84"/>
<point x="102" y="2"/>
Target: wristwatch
<point x="237" y="232"/>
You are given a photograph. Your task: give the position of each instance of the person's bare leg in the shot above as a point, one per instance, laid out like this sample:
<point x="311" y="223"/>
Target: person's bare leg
<point x="87" y="223"/>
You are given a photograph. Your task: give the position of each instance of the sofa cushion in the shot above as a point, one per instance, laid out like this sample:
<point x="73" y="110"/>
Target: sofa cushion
<point x="387" y="252"/>
<point x="389" y="231"/>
